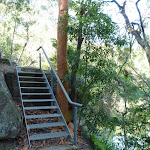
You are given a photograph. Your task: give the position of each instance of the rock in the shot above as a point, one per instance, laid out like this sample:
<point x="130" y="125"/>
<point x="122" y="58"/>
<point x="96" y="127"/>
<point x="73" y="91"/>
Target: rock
<point x="60" y="147"/>
<point x="5" y="61"/>
<point x="13" y="63"/>
<point x="26" y="147"/>
<point x="7" y="144"/>
<point x="79" y="129"/>
<point x="71" y="125"/>
<point x="12" y="83"/>
<point x="74" y="147"/>
<point x="71" y="128"/>
<point x="10" y="117"/>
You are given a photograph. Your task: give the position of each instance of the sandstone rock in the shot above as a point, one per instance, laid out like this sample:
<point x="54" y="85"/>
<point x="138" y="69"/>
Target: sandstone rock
<point x="74" y="147"/>
<point x="10" y="117"/>
<point x="71" y="125"/>
<point x="26" y="147"/>
<point x="12" y="83"/>
<point x="71" y="128"/>
<point x="79" y="129"/>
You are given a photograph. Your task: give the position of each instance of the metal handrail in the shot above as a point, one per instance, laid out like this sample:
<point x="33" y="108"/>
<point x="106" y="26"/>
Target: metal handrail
<point x="60" y="83"/>
<point x="65" y="93"/>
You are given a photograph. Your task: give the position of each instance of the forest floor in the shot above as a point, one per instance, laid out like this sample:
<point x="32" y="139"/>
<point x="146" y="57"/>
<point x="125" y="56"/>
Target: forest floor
<point x="21" y="142"/>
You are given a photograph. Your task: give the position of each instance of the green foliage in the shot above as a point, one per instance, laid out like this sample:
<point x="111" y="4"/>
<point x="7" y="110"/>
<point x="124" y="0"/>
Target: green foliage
<point x="53" y="59"/>
<point x="12" y="22"/>
<point x="102" y="143"/>
<point x="95" y="24"/>
<point x="111" y="99"/>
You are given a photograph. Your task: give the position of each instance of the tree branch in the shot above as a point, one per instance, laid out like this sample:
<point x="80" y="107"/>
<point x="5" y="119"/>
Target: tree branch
<point x="139" y="75"/>
<point x="128" y="24"/>
<point x="131" y="44"/>
<point x="143" y="89"/>
<point x="119" y="6"/>
<point x="141" y="22"/>
<point x="141" y="40"/>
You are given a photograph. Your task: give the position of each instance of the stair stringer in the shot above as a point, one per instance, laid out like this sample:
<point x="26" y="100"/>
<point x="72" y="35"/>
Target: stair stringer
<point x="62" y="118"/>
<point x="23" y="108"/>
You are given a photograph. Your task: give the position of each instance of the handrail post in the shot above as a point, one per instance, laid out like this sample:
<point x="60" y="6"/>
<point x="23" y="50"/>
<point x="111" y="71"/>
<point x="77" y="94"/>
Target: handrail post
<point x="40" y="60"/>
<point x="52" y="81"/>
<point x="75" y="125"/>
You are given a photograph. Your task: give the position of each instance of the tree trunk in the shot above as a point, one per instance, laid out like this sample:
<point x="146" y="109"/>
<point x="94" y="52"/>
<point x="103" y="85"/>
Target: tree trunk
<point x="61" y="58"/>
<point x="27" y="39"/>
<point x="12" y="44"/>
<point x="0" y="56"/>
<point x="75" y="66"/>
<point x="124" y="131"/>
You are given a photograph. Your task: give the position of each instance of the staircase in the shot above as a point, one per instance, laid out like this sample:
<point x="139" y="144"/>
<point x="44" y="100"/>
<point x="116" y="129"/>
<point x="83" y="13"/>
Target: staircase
<point x="40" y="108"/>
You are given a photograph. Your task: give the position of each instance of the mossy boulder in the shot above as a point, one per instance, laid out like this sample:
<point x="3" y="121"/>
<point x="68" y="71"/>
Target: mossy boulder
<point x="10" y="117"/>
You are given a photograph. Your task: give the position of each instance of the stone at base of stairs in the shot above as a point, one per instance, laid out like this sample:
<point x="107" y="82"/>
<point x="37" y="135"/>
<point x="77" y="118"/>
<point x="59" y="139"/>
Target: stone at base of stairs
<point x="61" y="147"/>
<point x="7" y="144"/>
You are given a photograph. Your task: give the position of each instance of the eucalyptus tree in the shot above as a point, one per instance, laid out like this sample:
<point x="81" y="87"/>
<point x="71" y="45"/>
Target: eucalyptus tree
<point x="61" y="57"/>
